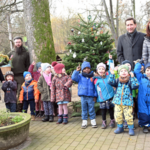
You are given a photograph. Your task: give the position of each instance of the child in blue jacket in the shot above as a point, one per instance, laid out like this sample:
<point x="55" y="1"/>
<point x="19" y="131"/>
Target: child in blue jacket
<point x="105" y="94"/>
<point x="87" y="92"/>
<point x="123" y="99"/>
<point x="143" y="95"/>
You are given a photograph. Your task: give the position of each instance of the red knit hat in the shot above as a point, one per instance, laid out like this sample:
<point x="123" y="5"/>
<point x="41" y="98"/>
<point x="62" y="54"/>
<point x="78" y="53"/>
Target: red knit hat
<point x="58" y="68"/>
<point x="54" y="63"/>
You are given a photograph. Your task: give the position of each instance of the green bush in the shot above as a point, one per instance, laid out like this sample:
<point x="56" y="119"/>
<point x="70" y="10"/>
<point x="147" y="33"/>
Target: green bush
<point x="6" y="118"/>
<point x="17" y="119"/>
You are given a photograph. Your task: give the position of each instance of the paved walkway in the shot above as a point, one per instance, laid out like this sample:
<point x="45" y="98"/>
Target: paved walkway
<point x="50" y="136"/>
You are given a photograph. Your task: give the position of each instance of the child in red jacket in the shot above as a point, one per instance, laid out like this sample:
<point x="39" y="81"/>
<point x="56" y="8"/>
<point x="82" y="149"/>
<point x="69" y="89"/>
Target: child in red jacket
<point x="60" y="91"/>
<point x="36" y="76"/>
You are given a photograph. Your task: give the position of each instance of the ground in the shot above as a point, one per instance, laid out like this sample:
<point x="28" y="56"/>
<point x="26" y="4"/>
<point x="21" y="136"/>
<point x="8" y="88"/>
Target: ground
<point x="50" y="136"/>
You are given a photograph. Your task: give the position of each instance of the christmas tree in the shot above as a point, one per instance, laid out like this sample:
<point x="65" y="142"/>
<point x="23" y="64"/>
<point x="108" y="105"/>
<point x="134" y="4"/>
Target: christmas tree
<point x="88" y="42"/>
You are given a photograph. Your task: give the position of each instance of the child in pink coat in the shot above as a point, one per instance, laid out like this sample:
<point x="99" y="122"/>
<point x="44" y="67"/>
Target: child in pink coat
<point x="36" y="76"/>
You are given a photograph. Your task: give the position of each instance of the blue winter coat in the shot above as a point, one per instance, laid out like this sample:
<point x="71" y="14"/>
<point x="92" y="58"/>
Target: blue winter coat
<point x="123" y="94"/>
<point x="143" y="97"/>
<point x="85" y="85"/>
<point x="104" y="90"/>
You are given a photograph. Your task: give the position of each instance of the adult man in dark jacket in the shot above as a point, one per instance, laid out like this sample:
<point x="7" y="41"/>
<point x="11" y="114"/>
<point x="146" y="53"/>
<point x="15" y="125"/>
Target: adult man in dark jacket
<point x="130" y="44"/>
<point x="20" y="62"/>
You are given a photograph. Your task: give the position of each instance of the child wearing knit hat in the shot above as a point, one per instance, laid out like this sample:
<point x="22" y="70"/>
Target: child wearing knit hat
<point x="29" y="94"/>
<point x="127" y="63"/>
<point x="105" y="94"/>
<point x="87" y="92"/>
<point x="44" y="86"/>
<point x="60" y="91"/>
<point x="134" y="92"/>
<point x="10" y="89"/>
<point x="123" y="99"/>
<point x="36" y="74"/>
<point x="143" y="95"/>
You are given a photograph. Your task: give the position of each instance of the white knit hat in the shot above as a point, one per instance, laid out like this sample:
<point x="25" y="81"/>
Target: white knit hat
<point x="101" y="65"/>
<point x="44" y="66"/>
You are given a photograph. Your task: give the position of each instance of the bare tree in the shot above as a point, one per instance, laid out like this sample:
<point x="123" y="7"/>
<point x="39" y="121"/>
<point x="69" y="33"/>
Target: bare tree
<point x="7" y="8"/>
<point x="113" y="14"/>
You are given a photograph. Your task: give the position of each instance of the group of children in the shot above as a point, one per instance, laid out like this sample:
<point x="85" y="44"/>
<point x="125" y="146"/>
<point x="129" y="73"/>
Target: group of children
<point x="113" y="90"/>
<point x="40" y="90"/>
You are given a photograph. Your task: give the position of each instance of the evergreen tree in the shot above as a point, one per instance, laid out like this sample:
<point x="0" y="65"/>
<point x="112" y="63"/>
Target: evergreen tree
<point x="88" y="43"/>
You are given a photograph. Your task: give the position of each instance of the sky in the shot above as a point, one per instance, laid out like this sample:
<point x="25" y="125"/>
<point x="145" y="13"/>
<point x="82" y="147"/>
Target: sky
<point x="60" y="7"/>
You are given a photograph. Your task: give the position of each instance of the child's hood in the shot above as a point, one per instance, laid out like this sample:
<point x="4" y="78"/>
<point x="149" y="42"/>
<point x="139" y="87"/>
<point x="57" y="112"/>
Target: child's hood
<point x="85" y="64"/>
<point x="127" y="61"/>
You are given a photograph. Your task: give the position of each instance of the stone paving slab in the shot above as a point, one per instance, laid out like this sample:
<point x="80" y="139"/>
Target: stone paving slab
<point x="50" y="136"/>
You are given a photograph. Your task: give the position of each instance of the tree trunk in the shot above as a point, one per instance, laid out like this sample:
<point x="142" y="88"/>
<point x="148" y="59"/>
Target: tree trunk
<point x="117" y="22"/>
<point x="28" y="14"/>
<point x="38" y="30"/>
<point x="10" y="32"/>
<point x="110" y="21"/>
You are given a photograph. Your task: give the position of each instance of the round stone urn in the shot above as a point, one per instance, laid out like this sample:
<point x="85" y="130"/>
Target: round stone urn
<point x="13" y="135"/>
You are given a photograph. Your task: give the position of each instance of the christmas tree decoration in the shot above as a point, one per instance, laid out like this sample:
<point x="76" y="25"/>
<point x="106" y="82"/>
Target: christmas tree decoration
<point x="85" y="59"/>
<point x="72" y="30"/>
<point x="69" y="43"/>
<point x="89" y="46"/>
<point x="93" y="52"/>
<point x="91" y="28"/>
<point x="94" y="28"/>
<point x="74" y="55"/>
<point x="79" y="33"/>
<point x="101" y="32"/>
<point x="70" y="50"/>
<point x="89" y="17"/>
<point x="96" y="39"/>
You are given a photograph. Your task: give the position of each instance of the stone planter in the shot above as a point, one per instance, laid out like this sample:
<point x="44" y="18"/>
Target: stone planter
<point x="13" y="135"/>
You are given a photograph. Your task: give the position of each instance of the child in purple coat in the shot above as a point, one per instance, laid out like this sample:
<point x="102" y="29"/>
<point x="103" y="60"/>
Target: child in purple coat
<point x="10" y="89"/>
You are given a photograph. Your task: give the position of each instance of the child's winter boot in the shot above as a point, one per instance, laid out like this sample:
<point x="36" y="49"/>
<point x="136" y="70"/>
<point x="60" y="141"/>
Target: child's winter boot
<point x="41" y="114"/>
<point x="103" y="126"/>
<point x="131" y="132"/>
<point x="119" y="129"/>
<point x="60" y="119"/>
<point x="93" y="123"/>
<point x="145" y="129"/>
<point x="112" y="123"/>
<point x="51" y="118"/>
<point x="65" y="119"/>
<point x="46" y="118"/>
<point x="37" y="113"/>
<point x="84" y="124"/>
<point x="32" y="117"/>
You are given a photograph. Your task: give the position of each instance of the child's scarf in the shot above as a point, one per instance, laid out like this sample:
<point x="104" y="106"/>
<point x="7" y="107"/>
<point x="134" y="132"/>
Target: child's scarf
<point x="48" y="79"/>
<point x="124" y="80"/>
<point x="91" y="74"/>
<point x="28" y="82"/>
